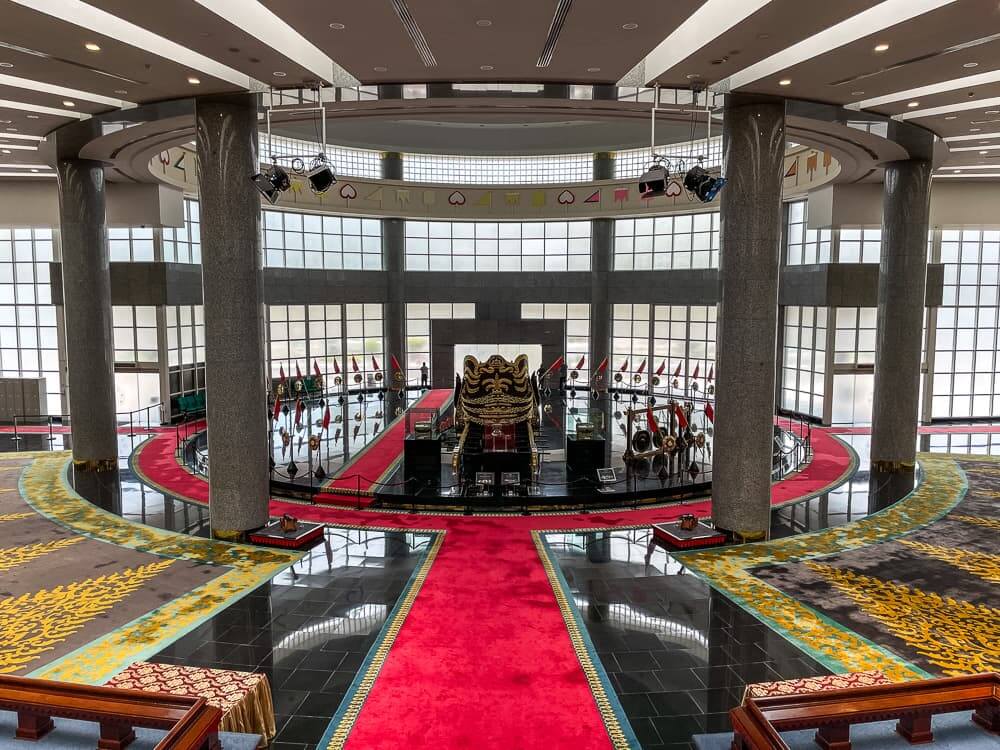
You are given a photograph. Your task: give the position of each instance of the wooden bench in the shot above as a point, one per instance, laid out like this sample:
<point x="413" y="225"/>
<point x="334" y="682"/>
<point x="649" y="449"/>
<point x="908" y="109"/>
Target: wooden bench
<point x="191" y="723"/>
<point x="757" y="724"/>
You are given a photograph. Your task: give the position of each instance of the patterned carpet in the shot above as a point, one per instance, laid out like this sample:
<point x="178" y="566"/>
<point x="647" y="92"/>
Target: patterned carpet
<point x="84" y="593"/>
<point x="912" y="590"/>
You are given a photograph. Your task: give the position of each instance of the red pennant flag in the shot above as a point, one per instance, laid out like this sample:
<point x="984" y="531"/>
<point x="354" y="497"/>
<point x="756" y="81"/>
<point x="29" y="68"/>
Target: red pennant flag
<point x="624" y="366"/>
<point x="710" y="413"/>
<point x="277" y="408"/>
<point x="642" y="368"/>
<point x="661" y="368"/>
<point x="298" y="372"/>
<point x="316" y="370"/>
<point x="682" y="420"/>
<point x="651" y="421"/>
<point x="281" y="374"/>
<point x="711" y="373"/>
<point x="298" y="412"/>
<point x="579" y="365"/>
<point x="555" y="366"/>
<point x="603" y="366"/>
<point x="326" y="418"/>
<point x="697" y="367"/>
<point x="336" y="367"/>
<point x="354" y="364"/>
<point x="677" y="371"/>
<point x="395" y="363"/>
<point x="374" y="363"/>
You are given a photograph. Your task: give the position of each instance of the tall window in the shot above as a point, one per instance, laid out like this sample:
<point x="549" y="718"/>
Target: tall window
<point x="805" y="245"/>
<point x="364" y="341"/>
<point x="303" y="335"/>
<point x="685" y="335"/>
<point x="185" y="349"/>
<point x="630" y="340"/>
<point x="803" y="375"/>
<point x="498" y="246"/>
<point x="184" y="245"/>
<point x="860" y="245"/>
<point x="29" y="344"/>
<point x="131" y="244"/>
<point x="418" y="331"/>
<point x="297" y="240"/>
<point x="498" y="170"/>
<point x="135" y="334"/>
<point x="667" y="242"/>
<point x="577" y="317"/>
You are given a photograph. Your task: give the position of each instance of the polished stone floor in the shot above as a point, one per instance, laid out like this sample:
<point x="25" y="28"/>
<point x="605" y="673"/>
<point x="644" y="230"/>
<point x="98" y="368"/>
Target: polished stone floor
<point x="310" y="628"/>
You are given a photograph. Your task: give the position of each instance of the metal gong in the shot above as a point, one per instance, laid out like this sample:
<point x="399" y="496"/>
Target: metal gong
<point x="641" y="441"/>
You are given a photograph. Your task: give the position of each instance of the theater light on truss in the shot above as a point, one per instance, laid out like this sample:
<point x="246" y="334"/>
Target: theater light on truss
<point x="320" y="175"/>
<point x="272" y="182"/>
<point x="654" y="181"/>
<point x="702" y="185"/>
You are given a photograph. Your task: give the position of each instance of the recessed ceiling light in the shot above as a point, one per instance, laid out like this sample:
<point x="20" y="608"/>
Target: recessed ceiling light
<point x="951" y="117"/>
<point x="32" y="117"/>
<point x="630" y="26"/>
<point x="970" y="65"/>
<point x="337" y="26"/>
<point x="993" y="111"/>
<point x="34" y="170"/>
<point x="857" y="93"/>
<point x="93" y="47"/>
<point x="68" y="103"/>
<point x="593" y="70"/>
<point x="956" y="171"/>
<point x="486" y="67"/>
<point x="194" y="80"/>
<point x="380" y="69"/>
<point x="121" y="91"/>
<point x="913" y="104"/>
<point x="483" y="23"/>
<point x="6" y="65"/>
<point x="11" y="130"/>
<point x="6" y="151"/>
<point x="279" y="74"/>
<point x="785" y="82"/>
<point x="881" y="47"/>
<point x="984" y="152"/>
<point x="692" y="76"/>
<point x="974" y="130"/>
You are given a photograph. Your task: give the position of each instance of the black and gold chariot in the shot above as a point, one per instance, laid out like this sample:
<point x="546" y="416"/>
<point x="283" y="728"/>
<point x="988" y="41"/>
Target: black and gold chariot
<point x="496" y="416"/>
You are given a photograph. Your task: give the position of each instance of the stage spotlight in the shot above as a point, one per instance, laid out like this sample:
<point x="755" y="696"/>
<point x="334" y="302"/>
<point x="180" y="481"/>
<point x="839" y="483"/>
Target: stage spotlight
<point x="702" y="185"/>
<point x="321" y="177"/>
<point x="654" y="182"/>
<point x="271" y="183"/>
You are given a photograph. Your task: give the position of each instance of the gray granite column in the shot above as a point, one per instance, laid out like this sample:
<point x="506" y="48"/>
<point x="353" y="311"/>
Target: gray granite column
<point x="232" y="284"/>
<point x="86" y="283"/>
<point x="753" y="142"/>
<point x="602" y="242"/>
<point x="394" y="313"/>
<point x="902" y="283"/>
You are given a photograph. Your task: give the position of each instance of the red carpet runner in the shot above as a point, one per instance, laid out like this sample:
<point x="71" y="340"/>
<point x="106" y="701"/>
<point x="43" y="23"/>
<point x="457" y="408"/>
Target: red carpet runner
<point x="484" y="658"/>
<point x="378" y="459"/>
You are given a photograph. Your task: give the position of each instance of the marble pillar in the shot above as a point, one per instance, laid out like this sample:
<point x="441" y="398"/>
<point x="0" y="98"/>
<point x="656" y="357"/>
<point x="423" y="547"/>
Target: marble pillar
<point x="232" y="284"/>
<point x="86" y="280"/>
<point x="602" y="243"/>
<point x="753" y="142"/>
<point x="394" y="314"/>
<point x="902" y="285"/>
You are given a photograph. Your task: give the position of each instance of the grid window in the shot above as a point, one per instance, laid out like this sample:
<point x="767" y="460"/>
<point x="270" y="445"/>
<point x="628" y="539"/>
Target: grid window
<point x="135" y="338"/>
<point x="418" y="331"/>
<point x="803" y="374"/>
<point x="630" y="339"/>
<point x="667" y="242"/>
<point x="498" y="170"/>
<point x="29" y="344"/>
<point x="306" y="336"/>
<point x="635" y="162"/>
<point x="131" y="244"/>
<point x="860" y="245"/>
<point x="855" y="336"/>
<point x="364" y="341"/>
<point x="352" y="162"/>
<point x="184" y="245"/>
<point x="493" y="246"/>
<point x="804" y="245"/>
<point x="684" y="335"/>
<point x="185" y="349"/>
<point x="577" y="317"/>
<point x="966" y="364"/>
<point x="297" y="240"/>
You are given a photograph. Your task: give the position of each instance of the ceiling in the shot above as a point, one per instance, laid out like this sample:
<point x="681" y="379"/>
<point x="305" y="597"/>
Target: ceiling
<point x="933" y="62"/>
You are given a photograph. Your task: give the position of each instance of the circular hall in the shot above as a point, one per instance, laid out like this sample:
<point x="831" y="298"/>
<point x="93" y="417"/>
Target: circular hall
<point x="539" y="375"/>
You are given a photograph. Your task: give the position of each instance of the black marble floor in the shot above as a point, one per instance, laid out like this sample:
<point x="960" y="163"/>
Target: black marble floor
<point x="678" y="654"/>
<point x="310" y="628"/>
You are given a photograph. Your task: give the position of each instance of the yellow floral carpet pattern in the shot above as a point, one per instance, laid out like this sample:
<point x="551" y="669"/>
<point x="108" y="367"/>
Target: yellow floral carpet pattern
<point x="911" y="591"/>
<point x="172" y="582"/>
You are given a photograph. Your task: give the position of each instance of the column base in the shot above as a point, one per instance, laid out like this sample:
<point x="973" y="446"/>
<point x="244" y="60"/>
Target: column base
<point x="742" y="537"/>
<point x="227" y="535"/>
<point x="889" y="482"/>
<point x="96" y="464"/>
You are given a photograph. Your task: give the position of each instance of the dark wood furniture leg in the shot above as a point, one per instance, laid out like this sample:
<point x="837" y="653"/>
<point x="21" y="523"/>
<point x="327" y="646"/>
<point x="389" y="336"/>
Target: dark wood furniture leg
<point x="834" y="737"/>
<point x="988" y="717"/>
<point x="33" y="726"/>
<point x="916" y="728"/>
<point x="115" y="736"/>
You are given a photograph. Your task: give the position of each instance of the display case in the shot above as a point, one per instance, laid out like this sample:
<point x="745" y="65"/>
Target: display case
<point x="423" y="423"/>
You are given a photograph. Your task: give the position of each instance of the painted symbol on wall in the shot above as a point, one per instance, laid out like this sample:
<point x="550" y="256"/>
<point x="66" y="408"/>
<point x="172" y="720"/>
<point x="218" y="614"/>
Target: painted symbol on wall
<point x="348" y="192"/>
<point x="512" y="199"/>
<point x="621" y="195"/>
<point x="811" y="163"/>
<point x="486" y="200"/>
<point x="375" y="195"/>
<point x="566" y="198"/>
<point x="594" y="197"/>
<point x="827" y="161"/>
<point x="673" y="189"/>
<point x="165" y="158"/>
<point x="793" y="169"/>
<point x="457" y="198"/>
